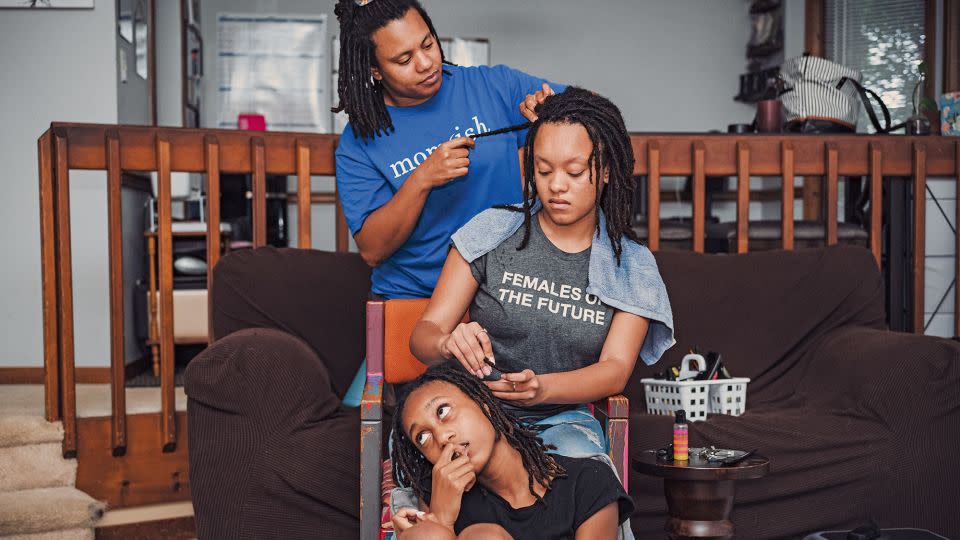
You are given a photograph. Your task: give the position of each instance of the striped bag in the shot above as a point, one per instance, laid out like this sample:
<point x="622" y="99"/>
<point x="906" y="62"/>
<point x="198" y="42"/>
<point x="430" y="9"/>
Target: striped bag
<point x="821" y="92"/>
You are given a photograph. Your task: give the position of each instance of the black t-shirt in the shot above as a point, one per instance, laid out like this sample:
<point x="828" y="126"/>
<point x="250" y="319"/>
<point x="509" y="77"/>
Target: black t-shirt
<point x="589" y="486"/>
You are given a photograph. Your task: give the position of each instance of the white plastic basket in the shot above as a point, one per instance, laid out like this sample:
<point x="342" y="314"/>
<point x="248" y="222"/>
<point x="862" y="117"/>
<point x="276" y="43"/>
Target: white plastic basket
<point x="697" y="398"/>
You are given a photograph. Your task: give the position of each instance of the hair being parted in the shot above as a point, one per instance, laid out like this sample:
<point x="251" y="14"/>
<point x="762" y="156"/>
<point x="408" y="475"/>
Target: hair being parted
<point x="612" y="154"/>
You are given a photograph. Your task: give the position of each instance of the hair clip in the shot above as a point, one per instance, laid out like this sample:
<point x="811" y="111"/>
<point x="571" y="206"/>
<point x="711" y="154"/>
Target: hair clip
<point x="362" y="3"/>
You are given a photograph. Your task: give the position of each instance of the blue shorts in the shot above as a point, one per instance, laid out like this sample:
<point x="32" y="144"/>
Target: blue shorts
<point x="574" y="433"/>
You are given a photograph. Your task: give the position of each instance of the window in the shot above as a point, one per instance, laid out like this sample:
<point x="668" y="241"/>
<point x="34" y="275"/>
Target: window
<point x="883" y="39"/>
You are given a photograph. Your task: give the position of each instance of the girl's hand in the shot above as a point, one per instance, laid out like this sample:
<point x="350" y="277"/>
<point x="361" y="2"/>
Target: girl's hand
<point x="406" y="518"/>
<point x="522" y="388"/>
<point x="450" y="160"/>
<point x="451" y="478"/>
<point x="470" y="344"/>
<point x="530" y="102"/>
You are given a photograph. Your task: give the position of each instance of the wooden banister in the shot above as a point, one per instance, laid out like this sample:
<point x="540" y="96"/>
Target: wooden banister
<point x="121" y="149"/>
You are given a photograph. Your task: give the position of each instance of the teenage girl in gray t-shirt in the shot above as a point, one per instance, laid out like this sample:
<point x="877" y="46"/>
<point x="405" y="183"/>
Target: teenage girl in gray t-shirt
<point x="530" y="314"/>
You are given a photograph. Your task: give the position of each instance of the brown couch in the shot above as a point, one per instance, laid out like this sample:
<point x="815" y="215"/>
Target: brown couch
<point x="858" y="422"/>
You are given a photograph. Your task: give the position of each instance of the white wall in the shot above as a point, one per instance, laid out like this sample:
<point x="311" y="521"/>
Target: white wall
<point x="57" y="65"/>
<point x="670" y="66"/>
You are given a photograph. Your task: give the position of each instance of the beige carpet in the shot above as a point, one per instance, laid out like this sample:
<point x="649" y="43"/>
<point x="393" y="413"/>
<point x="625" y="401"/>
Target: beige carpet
<point x="92" y="400"/>
<point x="47" y="510"/>
<point x="38" y="500"/>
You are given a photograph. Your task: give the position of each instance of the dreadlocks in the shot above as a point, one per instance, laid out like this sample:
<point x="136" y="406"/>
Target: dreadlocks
<point x="410" y="467"/>
<point x="360" y="95"/>
<point x="612" y="153"/>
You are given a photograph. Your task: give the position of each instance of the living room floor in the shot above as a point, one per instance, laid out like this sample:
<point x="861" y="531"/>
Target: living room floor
<point x="92" y="400"/>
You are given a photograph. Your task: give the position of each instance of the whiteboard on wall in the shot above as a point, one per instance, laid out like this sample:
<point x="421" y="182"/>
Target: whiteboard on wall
<point x="274" y="65"/>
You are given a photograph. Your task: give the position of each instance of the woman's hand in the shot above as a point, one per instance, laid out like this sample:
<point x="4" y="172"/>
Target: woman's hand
<point x="451" y="478"/>
<point x="530" y="102"/>
<point x="524" y="388"/>
<point x="470" y="344"/>
<point x="450" y="160"/>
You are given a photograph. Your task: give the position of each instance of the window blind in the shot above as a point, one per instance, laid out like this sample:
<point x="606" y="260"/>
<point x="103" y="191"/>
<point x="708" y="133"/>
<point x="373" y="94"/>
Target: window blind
<point x="884" y="40"/>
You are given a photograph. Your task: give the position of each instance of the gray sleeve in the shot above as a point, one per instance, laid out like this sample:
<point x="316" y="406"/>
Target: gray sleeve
<point x="479" y="269"/>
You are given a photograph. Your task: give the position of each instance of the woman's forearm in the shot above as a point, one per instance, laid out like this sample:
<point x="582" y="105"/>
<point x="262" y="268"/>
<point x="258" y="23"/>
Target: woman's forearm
<point x="388" y="227"/>
<point x="584" y="385"/>
<point x="425" y="341"/>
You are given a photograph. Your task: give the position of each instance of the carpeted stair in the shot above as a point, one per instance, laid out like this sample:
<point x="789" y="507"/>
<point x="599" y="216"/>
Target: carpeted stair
<point x="38" y="500"/>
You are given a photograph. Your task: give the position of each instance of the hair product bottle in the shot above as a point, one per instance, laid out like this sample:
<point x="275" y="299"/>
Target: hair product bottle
<point x="680" y="437"/>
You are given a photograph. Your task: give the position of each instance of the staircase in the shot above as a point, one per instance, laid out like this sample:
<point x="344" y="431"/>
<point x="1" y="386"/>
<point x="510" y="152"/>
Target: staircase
<point x="38" y="500"/>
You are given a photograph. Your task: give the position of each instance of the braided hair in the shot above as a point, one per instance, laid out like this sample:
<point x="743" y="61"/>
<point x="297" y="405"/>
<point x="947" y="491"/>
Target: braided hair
<point x="612" y="153"/>
<point x="410" y="467"/>
<point x="360" y="95"/>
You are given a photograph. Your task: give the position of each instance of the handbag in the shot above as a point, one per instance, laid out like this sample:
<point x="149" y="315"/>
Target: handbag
<point x="824" y="96"/>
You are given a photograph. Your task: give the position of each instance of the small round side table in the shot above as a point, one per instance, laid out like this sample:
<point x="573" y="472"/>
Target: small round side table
<point x="699" y="494"/>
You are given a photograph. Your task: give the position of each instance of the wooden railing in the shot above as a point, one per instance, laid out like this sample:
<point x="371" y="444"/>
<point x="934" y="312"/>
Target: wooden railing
<point x="120" y="149"/>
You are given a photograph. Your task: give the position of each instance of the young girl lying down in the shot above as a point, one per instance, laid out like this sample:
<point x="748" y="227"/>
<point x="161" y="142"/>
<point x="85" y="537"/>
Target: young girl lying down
<point x="477" y="473"/>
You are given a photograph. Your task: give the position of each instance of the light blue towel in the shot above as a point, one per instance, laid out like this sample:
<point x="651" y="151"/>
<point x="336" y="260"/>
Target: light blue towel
<point x="635" y="286"/>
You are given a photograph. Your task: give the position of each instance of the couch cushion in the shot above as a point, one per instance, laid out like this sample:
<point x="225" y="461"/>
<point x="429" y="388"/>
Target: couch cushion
<point x="762" y="310"/>
<point x="315" y="295"/>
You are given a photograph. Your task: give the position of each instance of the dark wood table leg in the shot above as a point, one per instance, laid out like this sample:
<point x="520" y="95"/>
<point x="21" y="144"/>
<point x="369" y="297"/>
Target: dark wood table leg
<point x="699" y="508"/>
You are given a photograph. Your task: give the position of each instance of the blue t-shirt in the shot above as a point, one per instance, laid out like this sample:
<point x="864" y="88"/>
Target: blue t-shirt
<point x="471" y="100"/>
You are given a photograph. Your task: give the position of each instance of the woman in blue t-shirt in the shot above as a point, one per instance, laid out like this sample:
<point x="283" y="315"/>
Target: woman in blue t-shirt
<point x="408" y="170"/>
<point x="560" y="295"/>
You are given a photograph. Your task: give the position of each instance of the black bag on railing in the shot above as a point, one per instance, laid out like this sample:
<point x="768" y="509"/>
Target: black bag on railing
<point x="825" y="97"/>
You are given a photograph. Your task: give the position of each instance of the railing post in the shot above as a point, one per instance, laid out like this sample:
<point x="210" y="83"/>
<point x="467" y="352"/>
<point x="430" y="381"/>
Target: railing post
<point x="165" y="270"/>
<point x="653" y="195"/>
<point x="876" y="201"/>
<point x="304" y="199"/>
<point x="786" y="194"/>
<point x="68" y="383"/>
<point x="743" y="197"/>
<point x="919" y="233"/>
<point x="258" y="167"/>
<point x="48" y="269"/>
<point x="115" y="240"/>
<point x="211" y="156"/>
<point x="832" y="193"/>
<point x="699" y="196"/>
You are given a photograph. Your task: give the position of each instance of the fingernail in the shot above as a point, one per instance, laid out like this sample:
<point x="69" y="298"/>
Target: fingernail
<point x="492" y="360"/>
<point x="486" y="370"/>
<point x="479" y="373"/>
<point x="421" y="513"/>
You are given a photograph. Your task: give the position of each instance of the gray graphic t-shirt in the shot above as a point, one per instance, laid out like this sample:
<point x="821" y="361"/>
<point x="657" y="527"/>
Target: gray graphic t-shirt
<point x="534" y="305"/>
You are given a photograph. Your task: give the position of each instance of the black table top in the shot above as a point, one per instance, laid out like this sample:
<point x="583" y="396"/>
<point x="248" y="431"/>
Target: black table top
<point x="755" y="466"/>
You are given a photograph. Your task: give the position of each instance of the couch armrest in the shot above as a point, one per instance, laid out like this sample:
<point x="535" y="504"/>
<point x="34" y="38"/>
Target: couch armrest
<point x="892" y="375"/>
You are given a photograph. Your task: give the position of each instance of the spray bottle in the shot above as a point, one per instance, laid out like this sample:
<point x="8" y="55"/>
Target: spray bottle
<point x="680" y="437"/>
